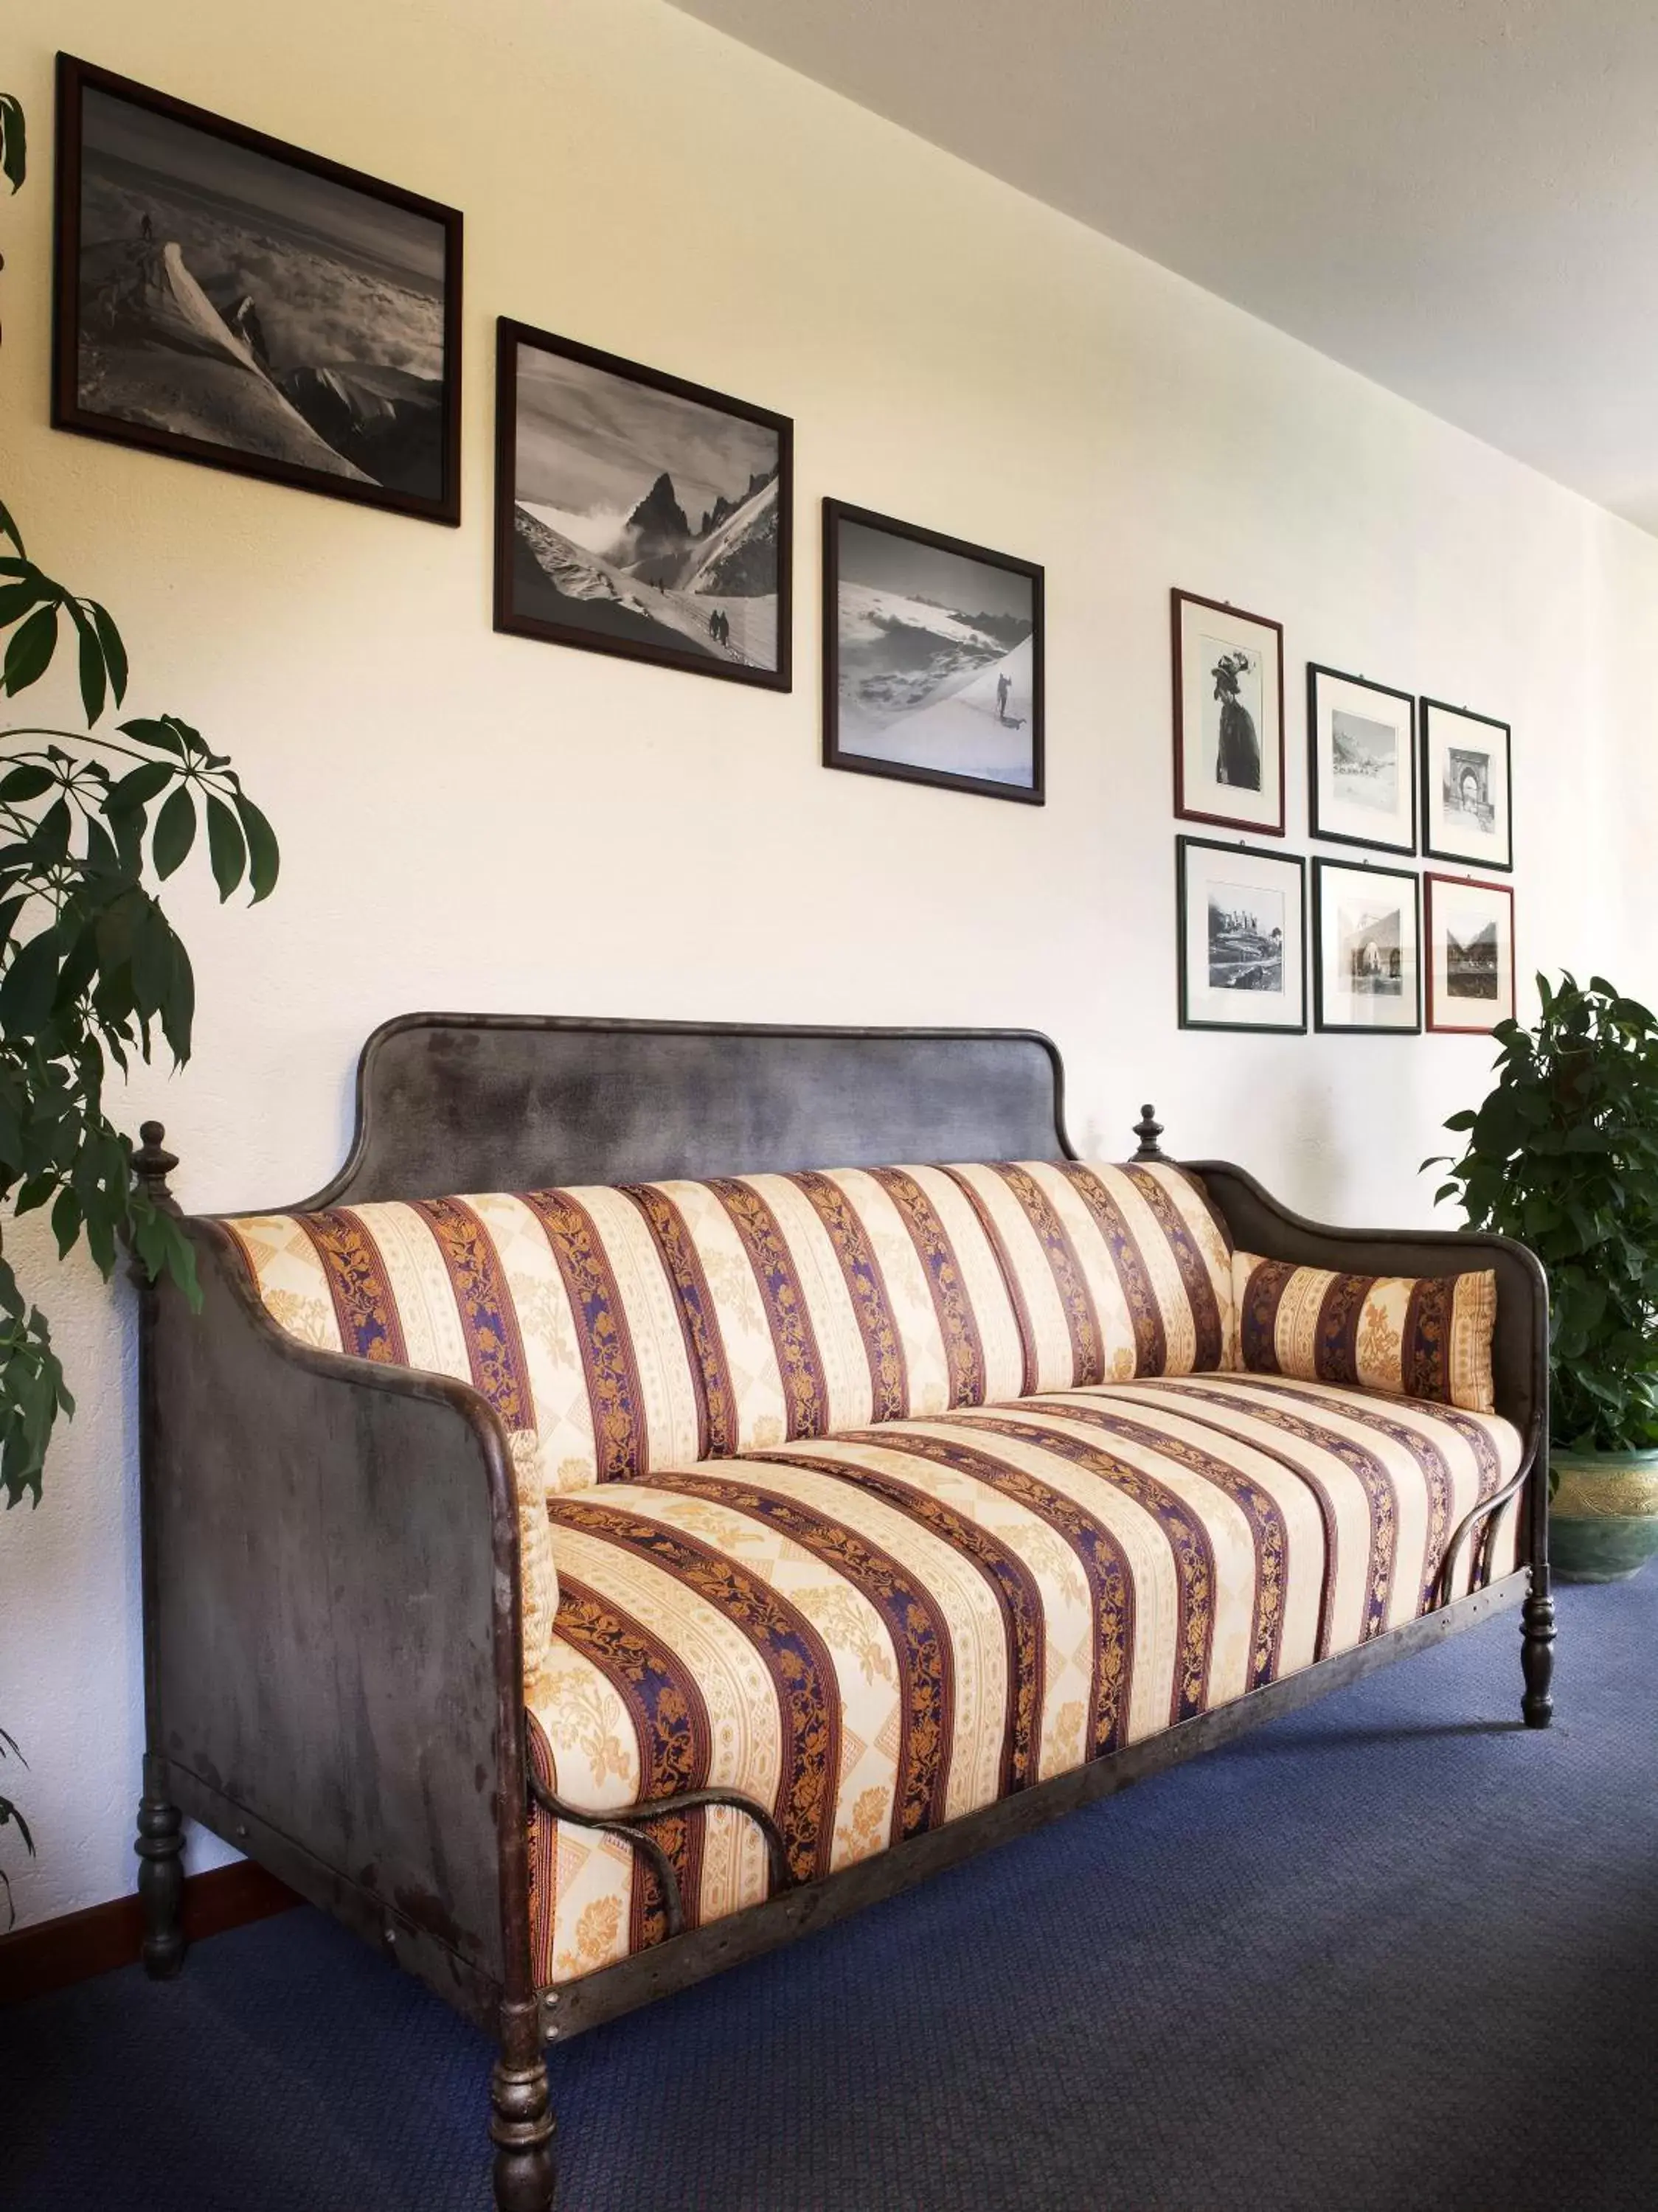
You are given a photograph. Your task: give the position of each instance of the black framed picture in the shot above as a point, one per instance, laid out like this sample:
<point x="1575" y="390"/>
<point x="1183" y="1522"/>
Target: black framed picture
<point x="1360" y="769"/>
<point x="1470" y="933"/>
<point x="1367" y="948"/>
<point x="225" y="298"/>
<point x="1228" y="715"/>
<point x="1467" y="814"/>
<point x="932" y="658"/>
<point x="638" y="514"/>
<point x="1241" y="928"/>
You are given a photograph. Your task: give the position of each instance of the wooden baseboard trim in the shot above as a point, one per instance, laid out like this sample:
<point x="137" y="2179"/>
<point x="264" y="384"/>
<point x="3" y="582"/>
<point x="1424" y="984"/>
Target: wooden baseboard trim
<point x="77" y="1945"/>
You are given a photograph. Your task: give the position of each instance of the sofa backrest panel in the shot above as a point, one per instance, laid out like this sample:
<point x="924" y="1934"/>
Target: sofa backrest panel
<point x="497" y="1102"/>
<point x="648" y="1326"/>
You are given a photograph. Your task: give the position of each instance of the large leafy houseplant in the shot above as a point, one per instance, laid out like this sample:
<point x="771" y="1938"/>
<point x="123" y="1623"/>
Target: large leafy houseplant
<point x="1563" y="1155"/>
<point x="91" y="970"/>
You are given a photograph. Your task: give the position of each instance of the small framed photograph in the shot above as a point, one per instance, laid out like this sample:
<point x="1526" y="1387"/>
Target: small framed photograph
<point x="1360" y="773"/>
<point x="225" y="298"/>
<point x="637" y="514"/>
<point x="932" y="658"/>
<point x="1241" y="919"/>
<point x="1367" y="947"/>
<point x="1465" y="786"/>
<point x="1228" y="716"/>
<point x="1470" y="929"/>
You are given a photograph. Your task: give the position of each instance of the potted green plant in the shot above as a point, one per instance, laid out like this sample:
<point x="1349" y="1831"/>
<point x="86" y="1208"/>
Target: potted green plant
<point x="1563" y="1155"/>
<point x="91" y="970"/>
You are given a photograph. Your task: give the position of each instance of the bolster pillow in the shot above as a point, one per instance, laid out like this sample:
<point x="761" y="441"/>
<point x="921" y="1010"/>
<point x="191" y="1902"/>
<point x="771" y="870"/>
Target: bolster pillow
<point x="1413" y="1336"/>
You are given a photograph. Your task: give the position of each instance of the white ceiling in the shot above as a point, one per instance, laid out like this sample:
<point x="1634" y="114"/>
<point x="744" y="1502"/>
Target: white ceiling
<point x="1458" y="197"/>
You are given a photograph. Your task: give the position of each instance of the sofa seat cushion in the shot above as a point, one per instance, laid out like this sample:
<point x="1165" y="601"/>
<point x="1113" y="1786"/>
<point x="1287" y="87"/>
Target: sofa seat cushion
<point x="876" y="1632"/>
<point x="654" y="1325"/>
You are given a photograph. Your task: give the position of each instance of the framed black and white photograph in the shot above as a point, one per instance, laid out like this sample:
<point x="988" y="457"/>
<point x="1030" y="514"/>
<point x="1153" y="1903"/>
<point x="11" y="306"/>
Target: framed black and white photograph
<point x="1228" y="715"/>
<point x="638" y="514"/>
<point x="1360" y="773"/>
<point x="1470" y="933"/>
<point x="225" y="298"/>
<point x="1465" y="786"/>
<point x="1367" y="948"/>
<point x="932" y="658"/>
<point x="1242" y="937"/>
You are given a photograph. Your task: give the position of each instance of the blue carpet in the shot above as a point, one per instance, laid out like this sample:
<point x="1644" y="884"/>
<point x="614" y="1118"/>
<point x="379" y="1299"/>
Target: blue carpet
<point x="1393" y="1954"/>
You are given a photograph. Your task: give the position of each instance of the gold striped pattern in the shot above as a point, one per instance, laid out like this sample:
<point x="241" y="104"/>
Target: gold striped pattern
<point x="988" y="1594"/>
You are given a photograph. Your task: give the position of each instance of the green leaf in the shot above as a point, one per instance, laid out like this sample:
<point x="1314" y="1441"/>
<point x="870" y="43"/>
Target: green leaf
<point x="26" y="782"/>
<point x="28" y="654"/>
<point x="94" y="682"/>
<point x="29" y="985"/>
<point x="138" y="786"/>
<point x="7" y="527"/>
<point x="114" y="653"/>
<point x="226" y="846"/>
<point x="175" y="833"/>
<point x="151" y="732"/>
<point x="14" y="146"/>
<point x="17" y="599"/>
<point x="263" y="859"/>
<point x="66" y="1220"/>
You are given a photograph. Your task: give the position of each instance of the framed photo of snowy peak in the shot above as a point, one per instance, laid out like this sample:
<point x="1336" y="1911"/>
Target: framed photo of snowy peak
<point x="637" y="514"/>
<point x="1362" y="757"/>
<point x="225" y="298"/>
<point x="932" y="658"/>
<point x="1470" y="929"/>
<point x="1465" y="786"/>
<point x="1367" y="948"/>
<point x="1228" y="716"/>
<point x="1241" y="919"/>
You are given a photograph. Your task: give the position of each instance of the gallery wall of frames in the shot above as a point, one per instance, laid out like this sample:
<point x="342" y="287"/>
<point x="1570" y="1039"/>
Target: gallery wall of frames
<point x="1388" y="773"/>
<point x="641" y="515"/>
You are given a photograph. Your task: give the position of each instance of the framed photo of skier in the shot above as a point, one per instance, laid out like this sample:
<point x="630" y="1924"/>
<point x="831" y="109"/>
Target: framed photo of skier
<point x="1465" y="803"/>
<point x="1228" y="715"/>
<point x="1469" y="929"/>
<point x="1242" y="926"/>
<point x="932" y="658"/>
<point x="1367" y="948"/>
<point x="225" y="298"/>
<point x="638" y="514"/>
<point x="1360" y="771"/>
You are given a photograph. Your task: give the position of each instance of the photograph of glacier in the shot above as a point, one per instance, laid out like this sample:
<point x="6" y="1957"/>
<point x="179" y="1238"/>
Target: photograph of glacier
<point x="229" y="296"/>
<point x="647" y="519"/>
<point x="936" y="659"/>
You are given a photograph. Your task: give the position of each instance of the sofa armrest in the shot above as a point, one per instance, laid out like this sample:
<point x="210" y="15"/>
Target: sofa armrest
<point x="1520" y="1347"/>
<point x="332" y="1624"/>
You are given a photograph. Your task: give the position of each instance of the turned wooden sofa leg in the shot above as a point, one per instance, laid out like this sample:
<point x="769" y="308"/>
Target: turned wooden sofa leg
<point x="160" y="1846"/>
<point x="521" y="2125"/>
<point x="1537" y="1651"/>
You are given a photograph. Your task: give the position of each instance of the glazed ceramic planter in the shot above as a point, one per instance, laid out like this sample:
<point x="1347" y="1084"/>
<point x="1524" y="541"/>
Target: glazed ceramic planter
<point x="1603" y="1520"/>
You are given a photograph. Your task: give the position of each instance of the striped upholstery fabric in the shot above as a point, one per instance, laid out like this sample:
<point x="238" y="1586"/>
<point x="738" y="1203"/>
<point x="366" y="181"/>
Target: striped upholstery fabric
<point x="634" y="1329"/>
<point x="1418" y="1336"/>
<point x="879" y="1632"/>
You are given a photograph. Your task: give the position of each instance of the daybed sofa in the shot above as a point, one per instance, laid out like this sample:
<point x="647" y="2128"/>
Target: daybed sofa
<point x="577" y="1591"/>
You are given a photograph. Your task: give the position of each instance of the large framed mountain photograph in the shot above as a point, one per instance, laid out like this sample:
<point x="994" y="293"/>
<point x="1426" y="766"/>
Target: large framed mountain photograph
<point x="932" y="658"/>
<point x="639" y="514"/>
<point x="225" y="298"/>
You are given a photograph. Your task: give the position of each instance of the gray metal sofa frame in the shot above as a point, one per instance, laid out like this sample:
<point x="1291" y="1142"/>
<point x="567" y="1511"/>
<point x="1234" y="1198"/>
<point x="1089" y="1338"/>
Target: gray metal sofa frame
<point x="332" y="1626"/>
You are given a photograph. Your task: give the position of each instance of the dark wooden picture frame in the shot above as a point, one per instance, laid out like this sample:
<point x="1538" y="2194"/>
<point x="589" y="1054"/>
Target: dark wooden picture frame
<point x="1469" y="853"/>
<point x="1189" y="798"/>
<point x="621" y="618"/>
<point x="836" y="754"/>
<point x="1189" y="1019"/>
<point x="377" y="408"/>
<point x="1322" y="869"/>
<point x="1433" y="889"/>
<point x="1318" y="817"/>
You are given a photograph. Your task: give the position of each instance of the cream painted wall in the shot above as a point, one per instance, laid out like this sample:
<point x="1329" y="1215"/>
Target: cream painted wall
<point x="470" y="820"/>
